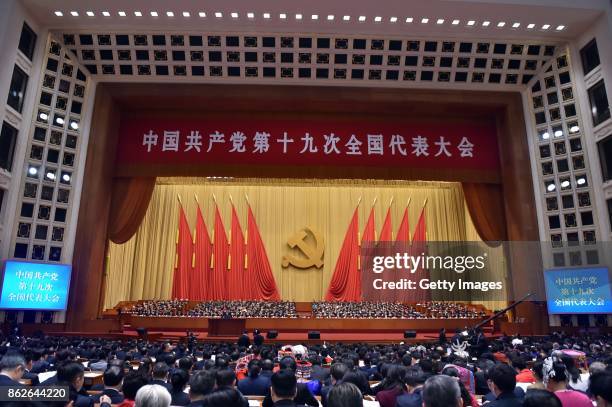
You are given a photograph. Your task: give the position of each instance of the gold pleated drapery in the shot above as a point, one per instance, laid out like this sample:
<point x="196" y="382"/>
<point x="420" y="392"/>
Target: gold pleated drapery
<point x="142" y="268"/>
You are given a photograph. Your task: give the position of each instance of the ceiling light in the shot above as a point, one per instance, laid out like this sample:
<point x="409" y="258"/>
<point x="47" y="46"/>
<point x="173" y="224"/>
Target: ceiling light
<point x="581" y="181"/>
<point x="153" y="13"/>
<point x="74" y="13"/>
<point x="558" y="133"/>
<point x="560" y="27"/>
<point x="362" y="18"/>
<point x="66" y="177"/>
<point x="551" y="187"/>
<point x="516" y="25"/>
<point x="89" y="13"/>
<point x="74" y="125"/>
<point x="138" y="13"/>
<point x="298" y="16"/>
<point x="43" y="116"/>
<point x="59" y="120"/>
<point x="378" y="19"/>
<point x="393" y="19"/>
<point x="314" y="16"/>
<point x="471" y="22"/>
<point x="501" y="24"/>
<point x="330" y="17"/>
<point x="440" y="21"/>
<point x="409" y="19"/>
<point x="218" y="14"/>
<point x="565" y="184"/>
<point x="424" y="20"/>
<point x="250" y="15"/>
<point x="546" y="26"/>
<point x="574" y="128"/>
<point x="50" y="175"/>
<point x="106" y="13"/>
<point x="530" y="26"/>
<point x="545" y="136"/>
<point x="59" y="13"/>
<point x="486" y="23"/>
<point x="32" y="170"/>
<point x="186" y="14"/>
<point x="267" y="16"/>
<point x="234" y="15"/>
<point x="121" y="13"/>
<point x="455" y="22"/>
<point x="170" y="13"/>
<point x="282" y="16"/>
<point x="346" y="18"/>
<point x="202" y="14"/>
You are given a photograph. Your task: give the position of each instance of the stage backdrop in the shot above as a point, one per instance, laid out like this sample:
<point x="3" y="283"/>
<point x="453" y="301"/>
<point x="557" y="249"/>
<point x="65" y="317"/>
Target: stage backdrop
<point x="142" y="267"/>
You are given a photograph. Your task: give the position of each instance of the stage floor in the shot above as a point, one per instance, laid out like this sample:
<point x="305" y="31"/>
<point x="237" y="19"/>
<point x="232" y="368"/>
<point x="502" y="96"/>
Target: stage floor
<point x="282" y="338"/>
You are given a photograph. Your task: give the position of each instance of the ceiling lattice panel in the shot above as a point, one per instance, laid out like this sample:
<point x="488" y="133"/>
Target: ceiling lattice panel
<point x="308" y="58"/>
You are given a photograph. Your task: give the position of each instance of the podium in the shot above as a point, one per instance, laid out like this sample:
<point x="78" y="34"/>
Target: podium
<point x="225" y="327"/>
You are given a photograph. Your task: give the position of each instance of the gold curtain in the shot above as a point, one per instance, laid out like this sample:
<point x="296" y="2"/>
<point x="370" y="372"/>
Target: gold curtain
<point x="142" y="267"/>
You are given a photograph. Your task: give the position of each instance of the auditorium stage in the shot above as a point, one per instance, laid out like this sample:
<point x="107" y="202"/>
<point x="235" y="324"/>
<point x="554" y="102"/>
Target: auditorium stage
<point x="282" y="338"/>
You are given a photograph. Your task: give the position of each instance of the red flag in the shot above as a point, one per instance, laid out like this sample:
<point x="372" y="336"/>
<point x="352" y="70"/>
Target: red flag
<point x="258" y="265"/>
<point x="419" y="246"/>
<point x="345" y="284"/>
<point x="202" y="246"/>
<point x="386" y="232"/>
<point x="218" y="286"/>
<point x="237" y="275"/>
<point x="369" y="231"/>
<point x="184" y="250"/>
<point x="403" y="232"/>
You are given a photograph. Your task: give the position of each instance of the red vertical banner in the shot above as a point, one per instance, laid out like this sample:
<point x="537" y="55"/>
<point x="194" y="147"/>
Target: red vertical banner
<point x="257" y="264"/>
<point x="236" y="282"/>
<point x="184" y="251"/>
<point x="402" y="243"/>
<point x="403" y="232"/>
<point x="202" y="248"/>
<point x="386" y="232"/>
<point x="369" y="231"/>
<point x="219" y="261"/>
<point x="419" y="246"/>
<point x="345" y="284"/>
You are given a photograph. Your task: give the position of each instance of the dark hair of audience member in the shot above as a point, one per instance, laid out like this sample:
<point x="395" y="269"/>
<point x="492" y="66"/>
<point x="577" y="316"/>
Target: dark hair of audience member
<point x="201" y="383"/>
<point x="503" y="376"/>
<point x="538" y="370"/>
<point x="601" y="385"/>
<point x="226" y="397"/>
<point x="570" y="365"/>
<point x="541" y="398"/>
<point x="221" y="363"/>
<point x="132" y="382"/>
<point x="267" y="365"/>
<point x="254" y="368"/>
<point x="185" y="363"/>
<point x="146" y="367"/>
<point x="394" y="378"/>
<point x="465" y="394"/>
<point x="178" y="380"/>
<point x="345" y="394"/>
<point x="160" y="371"/>
<point x="225" y="378"/>
<point x="338" y="370"/>
<point x="560" y="374"/>
<point x="284" y="383"/>
<point x="358" y="380"/>
<point x="288" y="362"/>
<point x="113" y="376"/>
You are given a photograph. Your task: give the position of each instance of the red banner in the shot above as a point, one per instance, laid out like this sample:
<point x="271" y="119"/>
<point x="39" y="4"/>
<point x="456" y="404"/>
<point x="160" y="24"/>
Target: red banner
<point x="292" y="142"/>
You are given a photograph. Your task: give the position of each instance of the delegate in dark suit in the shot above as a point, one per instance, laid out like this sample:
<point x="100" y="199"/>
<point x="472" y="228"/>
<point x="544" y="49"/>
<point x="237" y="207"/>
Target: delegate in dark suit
<point x="114" y="395"/>
<point x="259" y="386"/>
<point x="414" y="399"/>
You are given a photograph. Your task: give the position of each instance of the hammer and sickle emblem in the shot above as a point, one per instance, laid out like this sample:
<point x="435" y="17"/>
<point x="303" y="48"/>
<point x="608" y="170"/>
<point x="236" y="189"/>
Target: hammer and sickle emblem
<point x="312" y="251"/>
